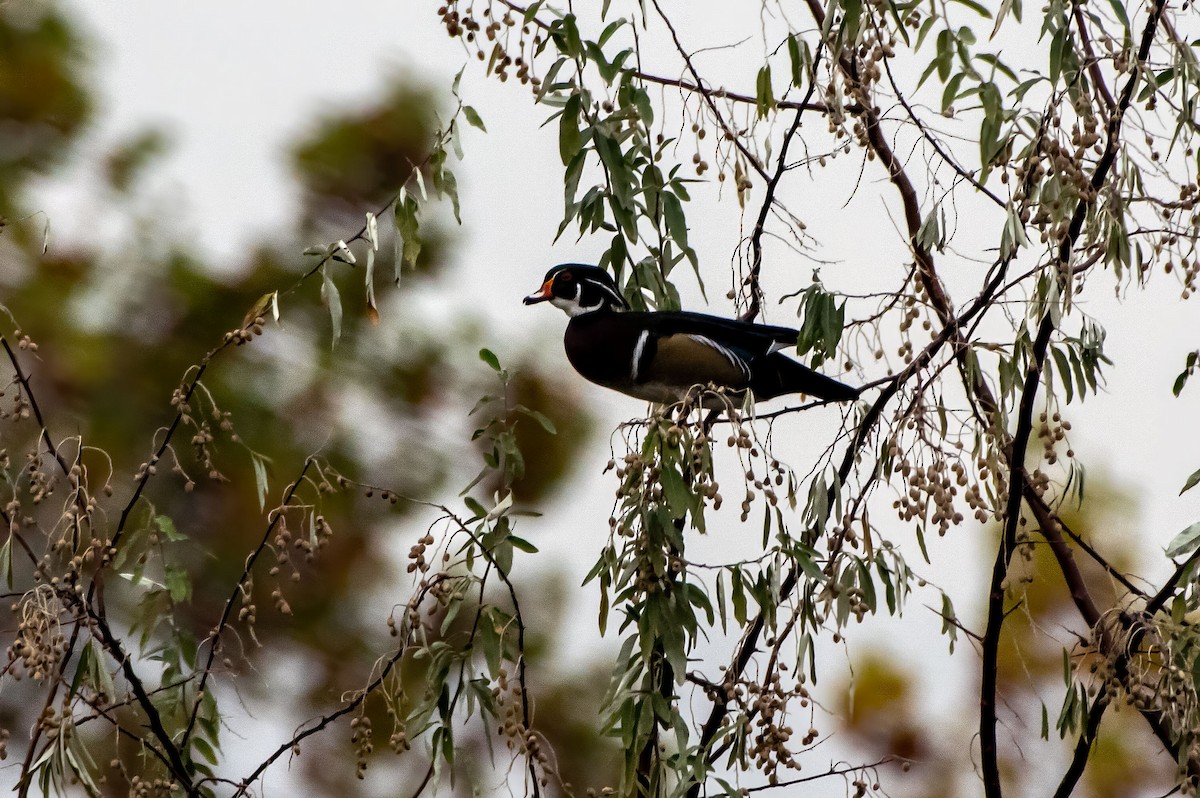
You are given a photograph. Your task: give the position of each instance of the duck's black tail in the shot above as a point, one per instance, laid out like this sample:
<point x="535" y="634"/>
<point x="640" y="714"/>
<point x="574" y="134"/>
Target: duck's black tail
<point x="777" y="374"/>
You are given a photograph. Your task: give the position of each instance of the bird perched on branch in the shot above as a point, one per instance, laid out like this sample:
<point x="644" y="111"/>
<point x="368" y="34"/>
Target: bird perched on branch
<point x="660" y="356"/>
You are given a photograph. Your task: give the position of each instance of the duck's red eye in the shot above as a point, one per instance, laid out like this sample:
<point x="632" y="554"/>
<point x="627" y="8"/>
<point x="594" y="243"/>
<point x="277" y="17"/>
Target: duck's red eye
<point x="566" y="277"/>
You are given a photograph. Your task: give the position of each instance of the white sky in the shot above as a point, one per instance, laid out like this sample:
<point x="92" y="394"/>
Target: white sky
<point x="234" y="82"/>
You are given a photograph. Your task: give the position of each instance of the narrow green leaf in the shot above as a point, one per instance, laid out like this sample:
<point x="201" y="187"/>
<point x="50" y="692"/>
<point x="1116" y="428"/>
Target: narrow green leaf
<point x="950" y="94"/>
<point x="676" y="222"/>
<point x="737" y="595"/>
<point x="260" y="477"/>
<point x="532" y="9"/>
<point x="1185" y="542"/>
<point x="929" y="70"/>
<point x="407" y="225"/>
<point x="179" y="584"/>
<point x="166" y="528"/>
<point x="998" y="65"/>
<point x="475" y="507"/>
<point x="945" y="55"/>
<point x="721" y="600"/>
<point x="489" y="357"/>
<point x="1192" y="481"/>
<point x="473" y="118"/>
<point x="852" y="19"/>
<point x="1005" y="7"/>
<point x="449" y="189"/>
<point x="793" y="45"/>
<point x="949" y="621"/>
<point x="679" y="499"/>
<point x="570" y="139"/>
<point x="333" y="303"/>
<point x="540" y="418"/>
<point x="1063" y="370"/>
<point x="978" y="8"/>
<point x="6" y="562"/>
<point x="521" y="544"/>
<point x="1118" y="8"/>
<point x="764" y="98"/>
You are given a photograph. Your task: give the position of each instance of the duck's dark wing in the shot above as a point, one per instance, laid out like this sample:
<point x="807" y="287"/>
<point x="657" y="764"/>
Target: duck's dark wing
<point x="776" y="374"/>
<point x="749" y="339"/>
<point x="739" y="354"/>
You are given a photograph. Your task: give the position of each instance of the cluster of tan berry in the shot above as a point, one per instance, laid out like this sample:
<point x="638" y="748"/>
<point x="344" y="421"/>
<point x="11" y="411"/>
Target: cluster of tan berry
<point x="202" y="439"/>
<point x="360" y="738"/>
<point x="150" y="788"/>
<point x="933" y="486"/>
<point x="772" y="743"/>
<point x="39" y="643"/>
<point x="517" y="737"/>
<point x="1052" y="429"/>
<point x="491" y="38"/>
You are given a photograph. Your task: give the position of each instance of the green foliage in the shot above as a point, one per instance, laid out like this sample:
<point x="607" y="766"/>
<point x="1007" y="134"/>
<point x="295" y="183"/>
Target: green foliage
<point x="150" y="586"/>
<point x="1078" y="161"/>
<point x="44" y="96"/>
<point x="824" y="320"/>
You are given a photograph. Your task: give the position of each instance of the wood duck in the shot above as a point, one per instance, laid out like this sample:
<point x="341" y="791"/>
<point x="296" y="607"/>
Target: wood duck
<point x="660" y="356"/>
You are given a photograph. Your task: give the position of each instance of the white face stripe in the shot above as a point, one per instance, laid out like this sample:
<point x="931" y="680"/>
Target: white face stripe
<point x="616" y="296"/>
<point x="729" y="355"/>
<point x="579" y="306"/>
<point x="573" y="306"/>
<point x="638" y="351"/>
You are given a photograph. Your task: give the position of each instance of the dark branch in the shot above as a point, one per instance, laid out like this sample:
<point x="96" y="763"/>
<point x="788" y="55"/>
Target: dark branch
<point x="214" y="639"/>
<point x="707" y="94"/>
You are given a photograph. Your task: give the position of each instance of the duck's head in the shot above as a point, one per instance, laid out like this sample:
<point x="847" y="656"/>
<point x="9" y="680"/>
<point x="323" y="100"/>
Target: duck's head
<point x="576" y="289"/>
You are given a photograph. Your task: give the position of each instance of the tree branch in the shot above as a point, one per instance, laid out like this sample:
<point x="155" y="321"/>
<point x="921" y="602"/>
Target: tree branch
<point x="23" y="379"/>
<point x="725" y="94"/>
<point x="756" y="294"/>
<point x="173" y="753"/>
<point x="729" y="132"/>
<point x="1083" y="748"/>
<point x="214" y="639"/>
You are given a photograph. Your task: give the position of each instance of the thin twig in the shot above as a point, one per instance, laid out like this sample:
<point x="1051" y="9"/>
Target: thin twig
<point x="707" y="94"/>
<point x="33" y="404"/>
<point x="756" y="294"/>
<point x="935" y="144"/>
<point x="987" y="722"/>
<point x="173" y="753"/>
<point x="214" y="639"/>
<point x="833" y="771"/>
<point x="1093" y="63"/>
<point x="725" y="94"/>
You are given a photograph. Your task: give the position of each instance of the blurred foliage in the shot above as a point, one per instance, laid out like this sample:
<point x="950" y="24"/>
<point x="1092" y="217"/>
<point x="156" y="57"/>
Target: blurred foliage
<point x="130" y="159"/>
<point x="44" y="98"/>
<point x="881" y="706"/>
<point x="113" y="328"/>
<point x="355" y="159"/>
<point x="879" y="710"/>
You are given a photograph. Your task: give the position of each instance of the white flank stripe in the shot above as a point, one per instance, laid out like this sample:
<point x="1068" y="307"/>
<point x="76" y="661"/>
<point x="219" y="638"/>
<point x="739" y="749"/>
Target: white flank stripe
<point x="637" y="354"/>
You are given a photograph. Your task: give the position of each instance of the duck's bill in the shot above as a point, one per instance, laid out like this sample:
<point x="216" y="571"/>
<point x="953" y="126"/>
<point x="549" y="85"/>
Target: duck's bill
<point x="543" y="294"/>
